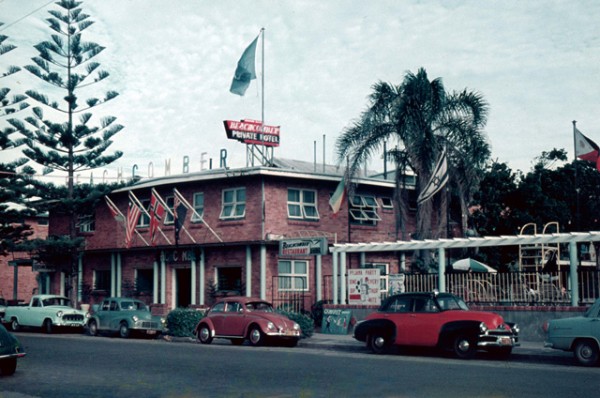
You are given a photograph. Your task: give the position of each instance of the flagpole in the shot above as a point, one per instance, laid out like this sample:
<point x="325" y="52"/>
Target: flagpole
<point x="576" y="182"/>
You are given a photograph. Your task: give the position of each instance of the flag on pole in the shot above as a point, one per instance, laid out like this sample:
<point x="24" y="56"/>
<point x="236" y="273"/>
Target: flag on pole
<point x="157" y="212"/>
<point x="133" y="215"/>
<point x="586" y="149"/>
<point x="439" y="178"/>
<point x="338" y="196"/>
<point x="245" y="71"/>
<point x="179" y="213"/>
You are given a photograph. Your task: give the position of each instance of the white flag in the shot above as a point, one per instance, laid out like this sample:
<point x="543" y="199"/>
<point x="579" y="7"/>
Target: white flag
<point x="439" y="178"/>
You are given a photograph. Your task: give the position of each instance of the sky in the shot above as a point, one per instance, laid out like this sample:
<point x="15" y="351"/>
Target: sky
<point x="537" y="64"/>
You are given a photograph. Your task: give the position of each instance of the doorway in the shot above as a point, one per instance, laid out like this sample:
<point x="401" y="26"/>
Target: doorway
<point x="183" y="287"/>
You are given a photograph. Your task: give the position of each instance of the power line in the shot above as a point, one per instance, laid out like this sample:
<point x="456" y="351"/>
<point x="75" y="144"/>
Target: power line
<point x="4" y="27"/>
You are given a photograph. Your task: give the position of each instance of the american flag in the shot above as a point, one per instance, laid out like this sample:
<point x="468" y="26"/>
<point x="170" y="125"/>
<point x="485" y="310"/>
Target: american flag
<point x="133" y="215"/>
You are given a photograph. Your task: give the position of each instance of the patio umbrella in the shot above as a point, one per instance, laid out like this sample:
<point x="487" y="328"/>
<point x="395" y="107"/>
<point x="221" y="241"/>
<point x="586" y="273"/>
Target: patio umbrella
<point x="468" y="264"/>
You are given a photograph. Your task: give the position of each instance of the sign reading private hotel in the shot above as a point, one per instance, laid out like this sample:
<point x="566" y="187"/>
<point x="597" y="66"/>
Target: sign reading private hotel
<point x="252" y="132"/>
<point x="303" y="247"/>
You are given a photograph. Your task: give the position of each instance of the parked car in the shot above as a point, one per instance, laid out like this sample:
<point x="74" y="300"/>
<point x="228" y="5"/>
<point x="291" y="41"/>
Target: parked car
<point x="48" y="311"/>
<point x="246" y="318"/>
<point x="580" y="334"/>
<point x="10" y="350"/>
<point x="439" y="320"/>
<point x="2" y="309"/>
<point x="123" y="316"/>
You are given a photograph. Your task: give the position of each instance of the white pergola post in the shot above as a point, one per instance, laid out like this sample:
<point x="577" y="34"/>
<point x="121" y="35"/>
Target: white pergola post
<point x="442" y="270"/>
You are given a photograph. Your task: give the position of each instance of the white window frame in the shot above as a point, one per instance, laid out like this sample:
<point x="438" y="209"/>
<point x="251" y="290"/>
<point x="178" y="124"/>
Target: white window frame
<point x="87" y="223"/>
<point x="199" y="208"/>
<point x="235" y="204"/>
<point x="144" y="220"/>
<point x="363" y="209"/>
<point x="294" y="275"/>
<point x="303" y="205"/>
<point x="170" y="202"/>
<point x="95" y="279"/>
<point x="387" y="202"/>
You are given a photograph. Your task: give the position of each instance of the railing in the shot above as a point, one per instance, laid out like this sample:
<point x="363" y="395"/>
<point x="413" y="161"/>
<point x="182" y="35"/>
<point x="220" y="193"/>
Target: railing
<point x="514" y="288"/>
<point x="290" y="294"/>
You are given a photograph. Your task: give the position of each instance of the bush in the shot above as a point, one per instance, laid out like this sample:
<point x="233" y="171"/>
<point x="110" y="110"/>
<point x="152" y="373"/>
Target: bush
<point x="182" y="321"/>
<point x="317" y="311"/>
<point x="307" y="325"/>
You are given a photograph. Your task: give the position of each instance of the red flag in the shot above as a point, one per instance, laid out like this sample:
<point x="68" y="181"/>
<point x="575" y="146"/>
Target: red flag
<point x="586" y="149"/>
<point x="133" y="214"/>
<point x="157" y="212"/>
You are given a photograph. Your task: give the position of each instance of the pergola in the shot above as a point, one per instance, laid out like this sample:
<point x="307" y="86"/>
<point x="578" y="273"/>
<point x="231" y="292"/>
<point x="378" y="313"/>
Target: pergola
<point x="339" y="251"/>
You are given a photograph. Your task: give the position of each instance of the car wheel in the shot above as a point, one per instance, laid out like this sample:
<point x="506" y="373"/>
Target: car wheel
<point x="93" y="328"/>
<point x="237" y="341"/>
<point x="14" y="325"/>
<point x="464" y="346"/>
<point x="47" y="326"/>
<point x="204" y="335"/>
<point x="8" y="366"/>
<point x="256" y="336"/>
<point x="124" y="330"/>
<point x="379" y="343"/>
<point x="586" y="352"/>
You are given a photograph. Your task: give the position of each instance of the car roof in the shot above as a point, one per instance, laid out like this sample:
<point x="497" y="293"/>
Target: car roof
<point x="241" y="299"/>
<point x="119" y="299"/>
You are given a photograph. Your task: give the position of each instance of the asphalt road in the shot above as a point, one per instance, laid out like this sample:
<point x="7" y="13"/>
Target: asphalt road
<point x="71" y="365"/>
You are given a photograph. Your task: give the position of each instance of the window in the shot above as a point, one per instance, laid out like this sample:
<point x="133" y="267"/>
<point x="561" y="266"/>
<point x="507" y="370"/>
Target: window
<point x="86" y="223"/>
<point x="144" y="219"/>
<point x="198" y="207"/>
<point x="302" y="204"/>
<point x="170" y="202"/>
<point x="387" y="203"/>
<point x="383" y="275"/>
<point x="102" y="280"/>
<point x="363" y="210"/>
<point x="293" y="275"/>
<point x="144" y="281"/>
<point x="234" y="203"/>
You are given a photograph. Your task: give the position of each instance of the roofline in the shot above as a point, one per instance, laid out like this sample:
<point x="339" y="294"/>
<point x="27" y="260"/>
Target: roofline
<point x="458" y="243"/>
<point x="216" y="174"/>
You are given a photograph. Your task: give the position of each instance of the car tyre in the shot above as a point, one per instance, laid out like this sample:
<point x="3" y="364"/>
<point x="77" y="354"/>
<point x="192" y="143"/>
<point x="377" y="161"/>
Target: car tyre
<point x="586" y="352"/>
<point x="256" y="336"/>
<point x="464" y="346"/>
<point x="124" y="331"/>
<point x="93" y="328"/>
<point x="8" y="366"/>
<point x="204" y="335"/>
<point x="14" y="325"/>
<point x="47" y="326"/>
<point x="379" y="343"/>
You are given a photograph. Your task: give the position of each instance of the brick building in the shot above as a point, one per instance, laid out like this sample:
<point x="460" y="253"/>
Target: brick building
<point x="18" y="278"/>
<point x="233" y="222"/>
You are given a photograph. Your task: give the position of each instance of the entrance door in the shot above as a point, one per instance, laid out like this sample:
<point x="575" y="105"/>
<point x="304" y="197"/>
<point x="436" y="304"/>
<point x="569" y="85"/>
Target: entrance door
<point x="183" y="296"/>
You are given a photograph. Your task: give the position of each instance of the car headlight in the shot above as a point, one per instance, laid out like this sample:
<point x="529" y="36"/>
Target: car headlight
<point x="483" y="328"/>
<point x="296" y="326"/>
<point x="163" y="321"/>
<point x="135" y="318"/>
<point x="271" y="326"/>
<point x="59" y="314"/>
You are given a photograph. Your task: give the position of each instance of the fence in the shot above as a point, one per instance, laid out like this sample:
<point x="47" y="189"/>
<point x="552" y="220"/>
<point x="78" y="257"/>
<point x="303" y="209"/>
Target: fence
<point x="291" y="294"/>
<point x="513" y="288"/>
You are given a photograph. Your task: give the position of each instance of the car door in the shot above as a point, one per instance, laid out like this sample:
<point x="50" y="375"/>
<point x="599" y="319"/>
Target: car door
<point x="102" y="314"/>
<point x="234" y="319"/>
<point x="217" y="317"/>
<point x="421" y="325"/>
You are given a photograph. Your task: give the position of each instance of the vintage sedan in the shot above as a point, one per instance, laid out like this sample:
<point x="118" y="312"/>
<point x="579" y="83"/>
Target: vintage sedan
<point x="438" y="320"/>
<point x="123" y="316"/>
<point x="244" y="318"/>
<point x="580" y="334"/>
<point x="10" y="350"/>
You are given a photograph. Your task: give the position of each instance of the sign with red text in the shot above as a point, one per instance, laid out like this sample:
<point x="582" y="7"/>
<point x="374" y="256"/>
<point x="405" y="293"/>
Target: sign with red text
<point x="252" y="132"/>
<point x="363" y="286"/>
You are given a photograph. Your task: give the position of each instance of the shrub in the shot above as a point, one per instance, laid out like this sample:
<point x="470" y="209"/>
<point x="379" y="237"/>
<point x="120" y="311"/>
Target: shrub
<point x="307" y="325"/>
<point x="182" y="321"/>
<point x="317" y="311"/>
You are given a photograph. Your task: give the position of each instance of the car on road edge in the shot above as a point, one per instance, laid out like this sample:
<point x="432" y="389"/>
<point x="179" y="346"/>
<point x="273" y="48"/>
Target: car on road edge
<point x="10" y="350"/>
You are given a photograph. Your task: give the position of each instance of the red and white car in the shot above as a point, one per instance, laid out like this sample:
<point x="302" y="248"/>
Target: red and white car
<point x="439" y="320"/>
<point x="246" y="318"/>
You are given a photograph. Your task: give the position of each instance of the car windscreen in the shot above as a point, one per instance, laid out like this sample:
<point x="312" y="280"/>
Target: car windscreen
<point x="451" y="303"/>
<point x="132" y="306"/>
<point x="259" y="306"/>
<point x="57" y="301"/>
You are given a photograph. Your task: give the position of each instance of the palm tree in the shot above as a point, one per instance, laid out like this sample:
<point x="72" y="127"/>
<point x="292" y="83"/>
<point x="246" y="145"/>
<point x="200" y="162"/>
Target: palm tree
<point x="421" y="118"/>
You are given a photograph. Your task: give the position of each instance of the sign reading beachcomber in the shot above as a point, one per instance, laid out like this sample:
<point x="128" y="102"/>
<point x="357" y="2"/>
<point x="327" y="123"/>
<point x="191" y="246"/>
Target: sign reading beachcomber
<point x="252" y="132"/>
<point x="302" y="247"/>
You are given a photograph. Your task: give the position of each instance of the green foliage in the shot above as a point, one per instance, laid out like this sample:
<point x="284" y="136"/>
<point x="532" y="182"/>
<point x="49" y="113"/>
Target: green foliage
<point x="305" y="321"/>
<point x="182" y="321"/>
<point x="316" y="311"/>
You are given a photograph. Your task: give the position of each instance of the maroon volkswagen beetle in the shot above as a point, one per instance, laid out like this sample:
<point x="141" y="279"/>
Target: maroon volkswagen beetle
<point x="246" y="318"/>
